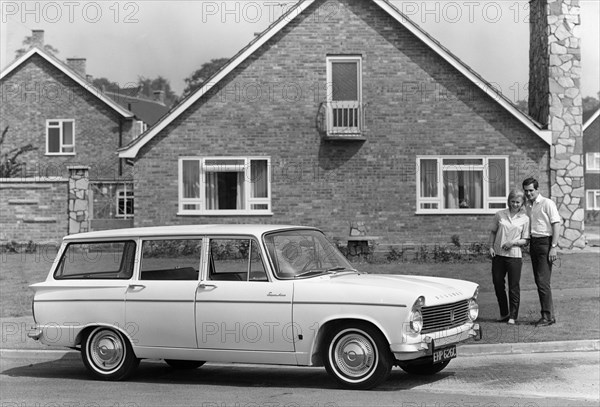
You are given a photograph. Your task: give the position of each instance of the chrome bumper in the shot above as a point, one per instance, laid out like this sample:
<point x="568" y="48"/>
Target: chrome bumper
<point x="409" y="351"/>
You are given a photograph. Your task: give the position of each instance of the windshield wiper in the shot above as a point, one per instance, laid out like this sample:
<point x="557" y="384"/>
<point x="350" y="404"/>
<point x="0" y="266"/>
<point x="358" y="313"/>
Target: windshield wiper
<point x="309" y="272"/>
<point x="334" y="270"/>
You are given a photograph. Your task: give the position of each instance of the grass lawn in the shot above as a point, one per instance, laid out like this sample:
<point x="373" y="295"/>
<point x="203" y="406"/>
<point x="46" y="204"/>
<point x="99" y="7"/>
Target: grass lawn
<point x="575" y="288"/>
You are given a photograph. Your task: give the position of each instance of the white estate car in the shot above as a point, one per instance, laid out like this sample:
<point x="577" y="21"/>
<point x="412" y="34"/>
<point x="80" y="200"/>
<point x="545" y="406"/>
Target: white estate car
<point x="245" y="293"/>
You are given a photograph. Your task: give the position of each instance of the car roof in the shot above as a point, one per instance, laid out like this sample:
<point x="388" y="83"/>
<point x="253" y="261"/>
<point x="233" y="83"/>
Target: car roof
<point x="184" y="230"/>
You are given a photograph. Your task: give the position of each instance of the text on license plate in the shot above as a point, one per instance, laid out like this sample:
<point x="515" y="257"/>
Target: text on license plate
<point x="442" y="355"/>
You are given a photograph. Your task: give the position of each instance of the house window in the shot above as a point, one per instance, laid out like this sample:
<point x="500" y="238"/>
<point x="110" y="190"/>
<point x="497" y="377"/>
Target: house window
<point x="217" y="186"/>
<point x="592" y="161"/>
<point x="124" y="203"/>
<point x="461" y="184"/>
<point x="344" y="113"/>
<point x="60" y="137"/>
<point x="593" y="200"/>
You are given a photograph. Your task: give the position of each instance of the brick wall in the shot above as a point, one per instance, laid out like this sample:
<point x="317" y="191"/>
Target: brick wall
<point x="417" y="104"/>
<point x="37" y="91"/>
<point x="33" y="211"/>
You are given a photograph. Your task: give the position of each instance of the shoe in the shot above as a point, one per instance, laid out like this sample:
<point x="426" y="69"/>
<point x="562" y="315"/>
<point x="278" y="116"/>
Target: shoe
<point x="503" y="319"/>
<point x="511" y="322"/>
<point x="545" y="322"/>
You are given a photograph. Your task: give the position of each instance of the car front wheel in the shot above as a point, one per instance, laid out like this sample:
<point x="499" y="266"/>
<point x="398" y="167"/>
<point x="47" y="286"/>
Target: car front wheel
<point x="108" y="354"/>
<point x="357" y="356"/>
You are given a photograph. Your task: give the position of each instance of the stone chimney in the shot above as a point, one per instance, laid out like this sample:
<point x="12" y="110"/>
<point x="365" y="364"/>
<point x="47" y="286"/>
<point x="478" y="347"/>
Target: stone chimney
<point x="78" y="65"/>
<point x="37" y="38"/>
<point x="159" y="96"/>
<point x="555" y="101"/>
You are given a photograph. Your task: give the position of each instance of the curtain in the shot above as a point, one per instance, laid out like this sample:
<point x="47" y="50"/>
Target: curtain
<point x="212" y="190"/>
<point x="429" y="178"/>
<point x="258" y="177"/>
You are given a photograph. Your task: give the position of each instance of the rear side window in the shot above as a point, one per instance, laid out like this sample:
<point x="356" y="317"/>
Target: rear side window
<point x="97" y="260"/>
<point x="171" y="259"/>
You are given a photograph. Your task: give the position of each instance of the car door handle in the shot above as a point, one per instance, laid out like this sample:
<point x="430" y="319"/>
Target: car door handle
<point x="136" y="286"/>
<point x="206" y="285"/>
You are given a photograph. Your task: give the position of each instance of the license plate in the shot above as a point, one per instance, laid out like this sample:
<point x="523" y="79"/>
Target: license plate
<point x="441" y="355"/>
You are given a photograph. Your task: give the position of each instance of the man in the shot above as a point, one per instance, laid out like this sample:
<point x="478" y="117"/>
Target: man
<point x="545" y="230"/>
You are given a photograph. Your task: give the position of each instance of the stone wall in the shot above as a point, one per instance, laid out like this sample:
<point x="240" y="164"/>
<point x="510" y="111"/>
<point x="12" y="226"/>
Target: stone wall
<point x="555" y="101"/>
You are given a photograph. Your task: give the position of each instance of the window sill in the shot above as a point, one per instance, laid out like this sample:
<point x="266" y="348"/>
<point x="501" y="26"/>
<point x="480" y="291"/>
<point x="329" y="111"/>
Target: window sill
<point x="223" y="213"/>
<point x="60" y="154"/>
<point x="460" y="212"/>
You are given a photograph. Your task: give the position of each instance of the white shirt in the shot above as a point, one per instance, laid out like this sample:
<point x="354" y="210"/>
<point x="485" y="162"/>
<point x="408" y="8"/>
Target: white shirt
<point x="543" y="213"/>
<point x="509" y="228"/>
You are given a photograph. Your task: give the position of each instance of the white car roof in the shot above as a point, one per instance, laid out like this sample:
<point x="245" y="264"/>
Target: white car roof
<point x="184" y="230"/>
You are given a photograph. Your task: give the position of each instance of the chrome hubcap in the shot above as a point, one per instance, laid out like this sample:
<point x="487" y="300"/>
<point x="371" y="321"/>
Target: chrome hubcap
<point x="106" y="350"/>
<point x="354" y="355"/>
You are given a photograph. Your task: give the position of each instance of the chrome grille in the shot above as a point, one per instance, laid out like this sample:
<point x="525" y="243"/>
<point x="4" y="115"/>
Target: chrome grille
<point x="446" y="316"/>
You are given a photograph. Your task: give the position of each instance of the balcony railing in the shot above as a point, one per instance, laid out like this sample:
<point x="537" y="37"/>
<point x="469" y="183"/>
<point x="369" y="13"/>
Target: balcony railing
<point x="341" y="120"/>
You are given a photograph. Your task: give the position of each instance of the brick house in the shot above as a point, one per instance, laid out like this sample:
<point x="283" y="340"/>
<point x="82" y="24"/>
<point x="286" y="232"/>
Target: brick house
<point x="75" y="128"/>
<point x="328" y="119"/>
<point x="591" y="148"/>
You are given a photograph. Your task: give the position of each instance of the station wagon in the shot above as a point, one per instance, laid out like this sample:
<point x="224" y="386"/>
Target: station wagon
<point x="259" y="294"/>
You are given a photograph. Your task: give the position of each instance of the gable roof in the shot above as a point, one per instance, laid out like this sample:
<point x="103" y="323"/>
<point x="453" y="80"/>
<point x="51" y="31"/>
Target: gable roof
<point x="132" y="149"/>
<point x="70" y="73"/>
<point x="591" y="120"/>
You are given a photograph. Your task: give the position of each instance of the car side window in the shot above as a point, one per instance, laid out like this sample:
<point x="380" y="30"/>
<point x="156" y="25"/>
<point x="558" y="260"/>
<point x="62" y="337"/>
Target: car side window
<point x="235" y="260"/>
<point x="170" y="259"/>
<point x="97" y="260"/>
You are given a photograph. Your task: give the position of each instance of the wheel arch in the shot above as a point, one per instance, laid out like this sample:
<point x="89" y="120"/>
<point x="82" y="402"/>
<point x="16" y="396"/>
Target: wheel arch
<point x="115" y="327"/>
<point x="332" y="324"/>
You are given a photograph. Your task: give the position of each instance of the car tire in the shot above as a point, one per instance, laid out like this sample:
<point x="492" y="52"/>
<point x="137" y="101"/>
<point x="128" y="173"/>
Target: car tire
<point x="108" y="354"/>
<point x="424" y="369"/>
<point x="357" y="356"/>
<point x="184" y="364"/>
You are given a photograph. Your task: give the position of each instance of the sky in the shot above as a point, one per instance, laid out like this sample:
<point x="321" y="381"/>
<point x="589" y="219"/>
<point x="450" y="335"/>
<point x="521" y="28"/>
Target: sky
<point x="122" y="40"/>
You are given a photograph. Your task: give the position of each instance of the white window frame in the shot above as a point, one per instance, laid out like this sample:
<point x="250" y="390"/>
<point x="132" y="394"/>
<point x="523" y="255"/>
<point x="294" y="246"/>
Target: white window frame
<point x="62" y="144"/>
<point x="592" y="201"/>
<point x="248" y="199"/>
<point x="121" y="195"/>
<point x="439" y="200"/>
<point x="330" y="102"/>
<point x="141" y="127"/>
<point x="592" y="162"/>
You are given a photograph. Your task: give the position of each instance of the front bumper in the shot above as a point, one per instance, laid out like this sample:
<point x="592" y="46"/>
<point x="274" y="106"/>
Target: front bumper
<point x="424" y="347"/>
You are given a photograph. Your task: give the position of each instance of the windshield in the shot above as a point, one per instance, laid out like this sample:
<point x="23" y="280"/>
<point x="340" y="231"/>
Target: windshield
<point x="304" y="253"/>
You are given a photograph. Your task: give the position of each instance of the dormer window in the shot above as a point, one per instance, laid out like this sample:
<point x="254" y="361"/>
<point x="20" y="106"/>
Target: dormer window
<point x="60" y="137"/>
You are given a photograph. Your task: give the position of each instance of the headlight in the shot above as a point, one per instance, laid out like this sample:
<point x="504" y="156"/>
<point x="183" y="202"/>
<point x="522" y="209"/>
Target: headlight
<point x="416" y="321"/>
<point x="416" y="317"/>
<point x="473" y="312"/>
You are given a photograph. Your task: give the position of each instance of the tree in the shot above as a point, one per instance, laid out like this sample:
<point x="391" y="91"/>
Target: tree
<point x="197" y="79"/>
<point x="149" y="86"/>
<point x="590" y="105"/>
<point x="106" y="85"/>
<point x="28" y="44"/>
<point x="10" y="166"/>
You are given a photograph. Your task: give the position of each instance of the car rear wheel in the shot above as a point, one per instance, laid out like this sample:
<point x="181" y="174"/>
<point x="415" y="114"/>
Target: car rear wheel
<point x="424" y="369"/>
<point x="184" y="364"/>
<point x="108" y="354"/>
<point x="357" y="356"/>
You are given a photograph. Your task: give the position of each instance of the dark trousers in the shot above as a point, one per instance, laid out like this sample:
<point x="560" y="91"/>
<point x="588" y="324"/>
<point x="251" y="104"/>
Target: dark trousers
<point x="501" y="267"/>
<point x="539" y="247"/>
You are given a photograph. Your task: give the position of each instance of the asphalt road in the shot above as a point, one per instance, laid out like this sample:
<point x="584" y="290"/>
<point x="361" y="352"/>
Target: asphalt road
<point x="523" y="380"/>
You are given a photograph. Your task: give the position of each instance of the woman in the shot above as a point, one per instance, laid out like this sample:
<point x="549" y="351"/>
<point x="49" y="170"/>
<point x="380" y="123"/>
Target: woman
<point x="509" y="232"/>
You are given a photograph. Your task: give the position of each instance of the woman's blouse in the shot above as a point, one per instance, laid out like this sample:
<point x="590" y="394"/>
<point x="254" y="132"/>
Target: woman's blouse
<point x="509" y="228"/>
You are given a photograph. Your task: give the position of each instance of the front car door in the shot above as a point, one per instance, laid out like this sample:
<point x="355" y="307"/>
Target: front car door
<point x="238" y="306"/>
